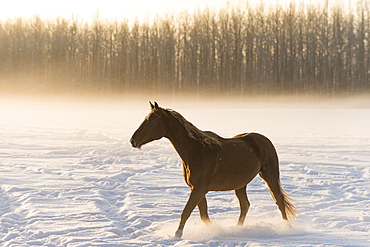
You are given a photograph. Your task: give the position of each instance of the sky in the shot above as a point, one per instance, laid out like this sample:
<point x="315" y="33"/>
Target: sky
<point x="86" y="10"/>
<point x="112" y="9"/>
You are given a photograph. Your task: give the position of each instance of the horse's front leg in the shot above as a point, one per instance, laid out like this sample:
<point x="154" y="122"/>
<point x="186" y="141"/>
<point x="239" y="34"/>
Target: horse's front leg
<point x="195" y="197"/>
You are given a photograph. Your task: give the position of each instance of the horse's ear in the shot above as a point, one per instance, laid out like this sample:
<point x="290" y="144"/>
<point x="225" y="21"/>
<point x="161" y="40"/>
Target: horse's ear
<point x="155" y="106"/>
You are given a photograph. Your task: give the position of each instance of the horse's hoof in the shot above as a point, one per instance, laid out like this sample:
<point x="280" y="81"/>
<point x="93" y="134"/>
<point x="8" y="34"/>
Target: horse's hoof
<point x="178" y="233"/>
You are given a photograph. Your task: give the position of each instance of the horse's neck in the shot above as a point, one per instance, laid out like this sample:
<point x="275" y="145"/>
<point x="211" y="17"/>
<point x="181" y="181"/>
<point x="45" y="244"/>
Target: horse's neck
<point x="179" y="137"/>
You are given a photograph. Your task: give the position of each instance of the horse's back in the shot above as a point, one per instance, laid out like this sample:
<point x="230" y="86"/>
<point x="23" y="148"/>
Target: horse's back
<point x="260" y="142"/>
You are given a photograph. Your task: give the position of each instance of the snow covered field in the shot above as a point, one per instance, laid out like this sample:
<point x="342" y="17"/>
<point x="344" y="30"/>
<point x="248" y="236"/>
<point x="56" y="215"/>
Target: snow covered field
<point x="69" y="177"/>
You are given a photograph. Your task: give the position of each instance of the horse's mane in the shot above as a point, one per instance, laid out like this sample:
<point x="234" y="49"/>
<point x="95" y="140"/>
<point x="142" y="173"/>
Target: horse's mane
<point x="205" y="137"/>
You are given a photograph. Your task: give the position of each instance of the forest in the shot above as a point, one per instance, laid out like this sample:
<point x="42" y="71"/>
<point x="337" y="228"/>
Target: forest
<point x="234" y="50"/>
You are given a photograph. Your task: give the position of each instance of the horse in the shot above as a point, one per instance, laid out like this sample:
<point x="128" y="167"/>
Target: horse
<point x="213" y="163"/>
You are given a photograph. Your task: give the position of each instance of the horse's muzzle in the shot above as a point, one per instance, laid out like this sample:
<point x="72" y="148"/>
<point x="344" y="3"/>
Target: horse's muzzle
<point x="135" y="144"/>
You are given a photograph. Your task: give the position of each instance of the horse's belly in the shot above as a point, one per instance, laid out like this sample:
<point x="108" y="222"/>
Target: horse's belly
<point x="233" y="179"/>
<point x="230" y="182"/>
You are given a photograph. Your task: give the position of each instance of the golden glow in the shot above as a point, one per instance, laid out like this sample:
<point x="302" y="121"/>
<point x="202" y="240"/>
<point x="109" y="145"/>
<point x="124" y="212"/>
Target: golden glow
<point x="108" y="9"/>
<point x="124" y="9"/>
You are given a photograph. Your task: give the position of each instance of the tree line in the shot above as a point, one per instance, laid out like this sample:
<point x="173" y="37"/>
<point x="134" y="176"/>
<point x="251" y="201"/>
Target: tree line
<point x="232" y="50"/>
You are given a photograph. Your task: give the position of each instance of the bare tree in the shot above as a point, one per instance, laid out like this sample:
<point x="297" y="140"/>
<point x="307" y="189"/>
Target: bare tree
<point x="237" y="50"/>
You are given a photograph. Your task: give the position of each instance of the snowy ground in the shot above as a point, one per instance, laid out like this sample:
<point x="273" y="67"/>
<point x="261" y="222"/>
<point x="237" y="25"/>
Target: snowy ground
<point x="69" y="177"/>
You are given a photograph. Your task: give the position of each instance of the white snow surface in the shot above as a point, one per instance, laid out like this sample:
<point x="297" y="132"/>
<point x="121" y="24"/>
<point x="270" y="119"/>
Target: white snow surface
<point x="69" y="177"/>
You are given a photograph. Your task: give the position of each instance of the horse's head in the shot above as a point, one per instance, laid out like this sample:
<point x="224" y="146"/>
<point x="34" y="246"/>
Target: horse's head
<point x="153" y="128"/>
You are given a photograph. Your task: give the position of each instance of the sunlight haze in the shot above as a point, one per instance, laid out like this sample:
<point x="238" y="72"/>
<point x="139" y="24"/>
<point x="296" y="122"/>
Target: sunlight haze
<point x="110" y="9"/>
<point x="107" y="9"/>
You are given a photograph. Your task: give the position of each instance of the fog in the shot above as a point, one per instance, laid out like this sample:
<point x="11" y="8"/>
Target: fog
<point x="124" y="112"/>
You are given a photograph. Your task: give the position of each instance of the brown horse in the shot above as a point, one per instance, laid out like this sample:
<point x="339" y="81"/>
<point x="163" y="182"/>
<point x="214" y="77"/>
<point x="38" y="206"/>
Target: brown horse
<point x="213" y="163"/>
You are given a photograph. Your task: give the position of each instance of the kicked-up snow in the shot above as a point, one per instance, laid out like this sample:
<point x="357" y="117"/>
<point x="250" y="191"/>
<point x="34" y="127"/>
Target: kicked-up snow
<point x="69" y="177"/>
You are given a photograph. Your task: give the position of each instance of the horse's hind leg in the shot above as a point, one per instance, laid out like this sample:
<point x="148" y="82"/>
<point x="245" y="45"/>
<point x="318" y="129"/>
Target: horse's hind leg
<point x="203" y="210"/>
<point x="244" y="204"/>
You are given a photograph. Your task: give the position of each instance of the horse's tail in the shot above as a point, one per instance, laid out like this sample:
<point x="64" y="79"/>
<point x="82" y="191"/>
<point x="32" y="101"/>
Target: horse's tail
<point x="290" y="209"/>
